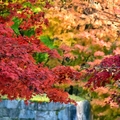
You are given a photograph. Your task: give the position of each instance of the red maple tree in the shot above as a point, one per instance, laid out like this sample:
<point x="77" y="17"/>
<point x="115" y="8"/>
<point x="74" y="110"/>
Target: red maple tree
<point x="20" y="75"/>
<point x="106" y="74"/>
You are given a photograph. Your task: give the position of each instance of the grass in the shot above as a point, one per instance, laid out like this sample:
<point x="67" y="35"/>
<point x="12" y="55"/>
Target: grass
<point x="76" y="98"/>
<point x="44" y="98"/>
<point x="40" y="98"/>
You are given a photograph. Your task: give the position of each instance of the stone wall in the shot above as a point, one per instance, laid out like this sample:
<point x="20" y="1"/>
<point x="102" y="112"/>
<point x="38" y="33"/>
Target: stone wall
<point x="17" y="110"/>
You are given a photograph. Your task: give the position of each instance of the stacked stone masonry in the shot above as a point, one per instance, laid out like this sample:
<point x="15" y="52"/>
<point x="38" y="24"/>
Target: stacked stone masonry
<point x="18" y="110"/>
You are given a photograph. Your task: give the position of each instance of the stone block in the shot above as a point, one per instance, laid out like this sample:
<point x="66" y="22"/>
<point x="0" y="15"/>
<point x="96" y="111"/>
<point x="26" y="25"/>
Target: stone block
<point x="63" y="115"/>
<point x="26" y="119"/>
<point x="11" y="103"/>
<point x="27" y="114"/>
<point x="30" y="106"/>
<point x="2" y="104"/>
<point x="14" y="113"/>
<point x="15" y="118"/>
<point x="22" y="105"/>
<point x="51" y="106"/>
<point x="72" y="112"/>
<point x="4" y="112"/>
<point x="43" y="106"/>
<point x="46" y="115"/>
<point x="5" y="118"/>
<point x="69" y="113"/>
<point x="18" y="110"/>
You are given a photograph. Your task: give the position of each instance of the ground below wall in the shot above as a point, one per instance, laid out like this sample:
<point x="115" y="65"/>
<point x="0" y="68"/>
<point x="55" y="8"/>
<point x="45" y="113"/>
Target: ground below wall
<point x="17" y="110"/>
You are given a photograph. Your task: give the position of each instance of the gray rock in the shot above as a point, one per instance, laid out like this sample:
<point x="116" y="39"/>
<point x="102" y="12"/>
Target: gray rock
<point x="46" y="115"/>
<point x="5" y="118"/>
<point x="30" y="106"/>
<point x="51" y="106"/>
<point x="27" y="113"/>
<point x="43" y="106"/>
<point x="2" y="104"/>
<point x="21" y="105"/>
<point x="72" y="112"/>
<point x="63" y="115"/>
<point x="69" y="113"/>
<point x="4" y="112"/>
<point x="14" y="113"/>
<point x="24" y="119"/>
<point x="11" y="104"/>
<point x="18" y="110"/>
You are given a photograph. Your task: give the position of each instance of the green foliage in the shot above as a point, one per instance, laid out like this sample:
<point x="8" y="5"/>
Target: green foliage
<point x="41" y="57"/>
<point x="27" y="4"/>
<point x="100" y="113"/>
<point x="28" y="33"/>
<point x="15" y="26"/>
<point x="47" y="41"/>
